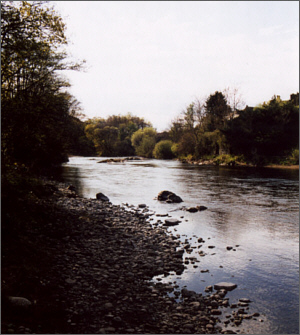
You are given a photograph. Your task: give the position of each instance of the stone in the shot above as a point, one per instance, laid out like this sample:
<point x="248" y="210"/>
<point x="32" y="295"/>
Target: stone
<point x="108" y="305"/>
<point x="243" y="304"/>
<point x="168" y="196"/>
<point x="229" y="248"/>
<point x="187" y="293"/>
<point x="192" y="209"/>
<point x="188" y="326"/>
<point x="244" y="300"/>
<point x="102" y="197"/>
<point x="142" y="205"/>
<point x="163" y="195"/>
<point x="171" y="222"/>
<point x="19" y="302"/>
<point x="215" y="312"/>
<point x="70" y="281"/>
<point x="228" y="331"/>
<point x="173" y="198"/>
<point x="225" y="285"/>
<point x="201" y="208"/>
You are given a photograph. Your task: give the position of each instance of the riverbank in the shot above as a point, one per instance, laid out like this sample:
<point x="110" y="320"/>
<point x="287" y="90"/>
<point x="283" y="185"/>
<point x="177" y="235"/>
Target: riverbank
<point x="217" y="162"/>
<point x="85" y="266"/>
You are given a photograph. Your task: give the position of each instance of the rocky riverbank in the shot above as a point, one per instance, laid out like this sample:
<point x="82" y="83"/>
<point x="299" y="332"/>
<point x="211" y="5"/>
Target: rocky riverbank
<point x="93" y="270"/>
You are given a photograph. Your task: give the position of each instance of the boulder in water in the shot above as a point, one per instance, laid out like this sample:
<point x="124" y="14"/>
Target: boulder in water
<point x="102" y="197"/>
<point x="169" y="197"/>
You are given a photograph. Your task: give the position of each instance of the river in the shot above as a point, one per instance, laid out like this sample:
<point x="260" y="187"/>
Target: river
<point x="255" y="211"/>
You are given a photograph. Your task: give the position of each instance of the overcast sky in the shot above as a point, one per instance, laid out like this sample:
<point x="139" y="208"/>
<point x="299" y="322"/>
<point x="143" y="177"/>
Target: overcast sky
<point x="153" y="59"/>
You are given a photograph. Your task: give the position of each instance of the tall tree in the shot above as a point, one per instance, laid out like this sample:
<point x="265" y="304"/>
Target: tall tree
<point x="35" y="108"/>
<point x="217" y="111"/>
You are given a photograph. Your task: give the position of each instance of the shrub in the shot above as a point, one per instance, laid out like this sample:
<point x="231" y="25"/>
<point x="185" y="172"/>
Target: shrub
<point x="163" y="150"/>
<point x="294" y="157"/>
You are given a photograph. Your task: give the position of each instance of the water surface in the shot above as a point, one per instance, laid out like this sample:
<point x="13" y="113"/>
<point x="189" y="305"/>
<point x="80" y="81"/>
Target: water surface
<point x="256" y="209"/>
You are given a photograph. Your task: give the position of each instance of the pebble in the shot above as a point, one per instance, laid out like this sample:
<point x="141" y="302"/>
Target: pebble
<point x="104" y="269"/>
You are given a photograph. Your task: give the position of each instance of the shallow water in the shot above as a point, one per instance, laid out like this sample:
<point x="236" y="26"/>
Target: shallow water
<point x="258" y="210"/>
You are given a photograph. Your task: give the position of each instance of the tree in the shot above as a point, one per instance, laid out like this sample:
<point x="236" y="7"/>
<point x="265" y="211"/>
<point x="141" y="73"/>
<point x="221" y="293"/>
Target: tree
<point x="35" y="108"/>
<point x="266" y="132"/>
<point x="217" y="111"/>
<point x="144" y="142"/>
<point x="234" y="100"/>
<point x="112" y="136"/>
<point x="163" y="150"/>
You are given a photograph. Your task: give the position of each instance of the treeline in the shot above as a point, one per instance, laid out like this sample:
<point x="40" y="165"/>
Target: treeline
<point x="215" y="128"/>
<point x="259" y="135"/>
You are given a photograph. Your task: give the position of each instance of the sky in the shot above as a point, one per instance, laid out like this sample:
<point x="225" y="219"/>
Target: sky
<point x="153" y="58"/>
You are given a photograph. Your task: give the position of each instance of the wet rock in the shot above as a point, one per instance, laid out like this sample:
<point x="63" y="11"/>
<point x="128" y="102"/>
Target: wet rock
<point x="169" y="197"/>
<point x="187" y="293"/>
<point x="171" y="222"/>
<point x="102" y="197"/>
<point x="225" y="285"/>
<point x="208" y="288"/>
<point x="228" y="331"/>
<point x="192" y="209"/>
<point x="201" y="208"/>
<point x="216" y="312"/>
<point x="243" y="304"/>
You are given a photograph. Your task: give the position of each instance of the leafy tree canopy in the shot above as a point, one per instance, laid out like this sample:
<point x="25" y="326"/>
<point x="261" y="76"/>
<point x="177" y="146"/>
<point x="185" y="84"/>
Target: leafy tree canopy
<point x="35" y="106"/>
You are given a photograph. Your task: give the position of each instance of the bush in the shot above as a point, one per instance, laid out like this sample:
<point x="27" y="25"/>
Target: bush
<point x="143" y="141"/>
<point x="226" y="159"/>
<point x="294" y="157"/>
<point x="163" y="150"/>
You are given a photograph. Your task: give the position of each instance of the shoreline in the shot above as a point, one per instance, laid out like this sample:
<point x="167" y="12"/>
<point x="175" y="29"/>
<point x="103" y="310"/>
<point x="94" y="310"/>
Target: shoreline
<point x="238" y="165"/>
<point x="98" y="270"/>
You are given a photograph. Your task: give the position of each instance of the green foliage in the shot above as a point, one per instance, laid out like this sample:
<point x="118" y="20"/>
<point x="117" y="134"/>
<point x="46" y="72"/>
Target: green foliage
<point x="265" y="132"/>
<point x="35" y="109"/>
<point x="293" y="158"/>
<point x="262" y="135"/>
<point x="163" y="150"/>
<point x="217" y="112"/>
<point x="144" y="142"/>
<point x="227" y="159"/>
<point x="112" y="136"/>
<point x="187" y="144"/>
<point x="78" y="144"/>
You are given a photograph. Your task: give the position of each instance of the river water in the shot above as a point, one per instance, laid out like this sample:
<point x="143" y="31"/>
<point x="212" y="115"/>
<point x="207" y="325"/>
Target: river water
<point x="256" y="211"/>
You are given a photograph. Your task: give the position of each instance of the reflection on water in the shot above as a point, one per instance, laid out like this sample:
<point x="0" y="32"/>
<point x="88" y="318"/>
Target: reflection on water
<point x="256" y="209"/>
